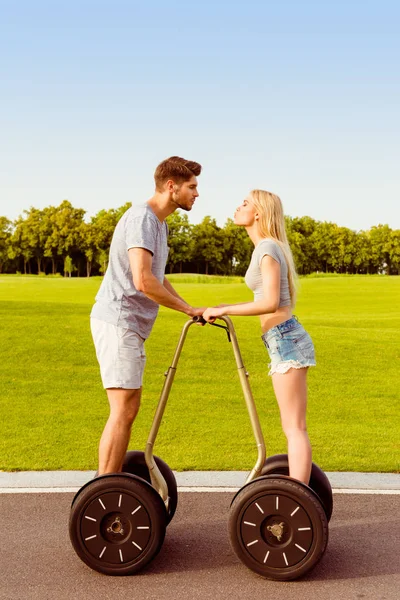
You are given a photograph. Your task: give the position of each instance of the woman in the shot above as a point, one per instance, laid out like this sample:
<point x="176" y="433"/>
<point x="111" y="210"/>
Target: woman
<point x="272" y="277"/>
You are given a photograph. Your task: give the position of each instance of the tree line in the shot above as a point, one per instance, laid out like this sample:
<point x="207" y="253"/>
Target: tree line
<point x="59" y="240"/>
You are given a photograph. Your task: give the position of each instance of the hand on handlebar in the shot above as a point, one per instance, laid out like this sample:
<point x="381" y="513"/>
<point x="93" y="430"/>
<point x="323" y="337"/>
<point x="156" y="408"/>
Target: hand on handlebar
<point x="210" y="314"/>
<point x="196" y="312"/>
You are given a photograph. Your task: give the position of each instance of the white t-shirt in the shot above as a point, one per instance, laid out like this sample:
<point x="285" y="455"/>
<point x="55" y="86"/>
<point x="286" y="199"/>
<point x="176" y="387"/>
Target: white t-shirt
<point x="118" y="301"/>
<point x="253" y="277"/>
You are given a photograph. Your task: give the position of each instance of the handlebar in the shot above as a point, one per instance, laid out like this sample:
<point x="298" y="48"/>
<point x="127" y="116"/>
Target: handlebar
<point x="199" y="320"/>
<point x="202" y="321"/>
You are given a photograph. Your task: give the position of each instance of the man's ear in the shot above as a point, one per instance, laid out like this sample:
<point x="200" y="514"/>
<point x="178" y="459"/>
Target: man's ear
<point x="170" y="186"/>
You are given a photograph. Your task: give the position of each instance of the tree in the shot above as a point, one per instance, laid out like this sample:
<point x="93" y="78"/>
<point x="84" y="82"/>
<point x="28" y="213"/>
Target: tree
<point x="20" y="244"/>
<point x="68" y="266"/>
<point x="36" y="230"/>
<point x="95" y="237"/>
<point x="236" y="248"/>
<point x="122" y="210"/>
<point x="393" y="248"/>
<point x="346" y="249"/>
<point x="380" y="248"/>
<point x="208" y="244"/>
<point x="362" y="257"/>
<point x="180" y="240"/>
<point x="5" y="240"/>
<point x="304" y="250"/>
<point x="102" y="259"/>
<point x="323" y="240"/>
<point x="50" y="246"/>
<point x="87" y="244"/>
<point x="296" y="243"/>
<point x="104" y="223"/>
<point x="65" y="222"/>
<point x="61" y="234"/>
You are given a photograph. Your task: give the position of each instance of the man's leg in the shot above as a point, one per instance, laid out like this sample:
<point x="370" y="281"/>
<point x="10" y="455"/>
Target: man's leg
<point x="124" y="406"/>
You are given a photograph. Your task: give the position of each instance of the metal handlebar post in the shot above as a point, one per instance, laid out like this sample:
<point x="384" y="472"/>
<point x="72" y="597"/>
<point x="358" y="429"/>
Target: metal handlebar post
<point x="250" y="404"/>
<point x="157" y="479"/>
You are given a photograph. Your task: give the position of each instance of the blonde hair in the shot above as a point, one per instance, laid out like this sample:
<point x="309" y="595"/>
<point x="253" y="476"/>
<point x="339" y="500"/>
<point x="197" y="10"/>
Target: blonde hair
<point x="271" y="224"/>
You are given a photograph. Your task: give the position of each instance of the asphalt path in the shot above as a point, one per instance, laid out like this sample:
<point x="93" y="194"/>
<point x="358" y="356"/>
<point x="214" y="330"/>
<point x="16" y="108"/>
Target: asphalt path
<point x="196" y="561"/>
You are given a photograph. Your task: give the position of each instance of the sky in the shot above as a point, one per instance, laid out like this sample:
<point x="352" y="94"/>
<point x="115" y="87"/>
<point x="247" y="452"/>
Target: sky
<point x="301" y="98"/>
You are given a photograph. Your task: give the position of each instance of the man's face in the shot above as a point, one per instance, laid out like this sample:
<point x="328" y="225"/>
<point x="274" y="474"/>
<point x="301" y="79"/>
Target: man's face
<point x="184" y="195"/>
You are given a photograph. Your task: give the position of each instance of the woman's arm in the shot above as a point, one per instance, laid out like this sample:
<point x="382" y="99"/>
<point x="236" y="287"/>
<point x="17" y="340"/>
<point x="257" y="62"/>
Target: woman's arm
<point x="271" y="279"/>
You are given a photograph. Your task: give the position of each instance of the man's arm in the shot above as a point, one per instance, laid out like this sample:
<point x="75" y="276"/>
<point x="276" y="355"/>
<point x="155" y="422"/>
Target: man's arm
<point x="140" y="261"/>
<point x="171" y="290"/>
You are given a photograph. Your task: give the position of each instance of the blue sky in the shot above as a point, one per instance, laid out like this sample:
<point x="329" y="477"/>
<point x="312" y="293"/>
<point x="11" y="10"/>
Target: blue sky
<point x="300" y="98"/>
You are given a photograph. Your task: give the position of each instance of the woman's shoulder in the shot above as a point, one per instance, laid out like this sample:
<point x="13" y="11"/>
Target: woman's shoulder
<point x="268" y="246"/>
<point x="266" y="240"/>
<point x="267" y="243"/>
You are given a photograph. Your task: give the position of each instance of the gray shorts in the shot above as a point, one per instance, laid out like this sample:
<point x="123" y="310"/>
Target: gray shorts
<point x="120" y="353"/>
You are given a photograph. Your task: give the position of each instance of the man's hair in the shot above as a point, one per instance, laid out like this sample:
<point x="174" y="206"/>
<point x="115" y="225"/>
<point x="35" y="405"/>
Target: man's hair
<point x="176" y="168"/>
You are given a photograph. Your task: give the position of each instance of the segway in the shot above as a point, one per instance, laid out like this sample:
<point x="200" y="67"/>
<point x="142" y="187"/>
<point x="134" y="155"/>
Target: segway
<point x="278" y="526"/>
<point x="118" y="521"/>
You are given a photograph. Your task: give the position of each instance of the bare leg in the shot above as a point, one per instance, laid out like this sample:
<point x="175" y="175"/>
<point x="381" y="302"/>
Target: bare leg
<point x="291" y="393"/>
<point x="124" y="406"/>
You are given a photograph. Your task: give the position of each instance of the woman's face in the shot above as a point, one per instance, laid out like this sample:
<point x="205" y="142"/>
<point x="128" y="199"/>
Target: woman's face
<point x="245" y="213"/>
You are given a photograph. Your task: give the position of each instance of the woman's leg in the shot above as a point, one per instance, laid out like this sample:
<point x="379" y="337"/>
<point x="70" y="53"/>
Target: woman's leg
<point x="291" y="393"/>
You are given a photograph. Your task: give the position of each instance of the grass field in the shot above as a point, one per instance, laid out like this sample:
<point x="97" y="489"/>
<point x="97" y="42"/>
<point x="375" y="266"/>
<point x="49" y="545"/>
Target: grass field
<point x="53" y="407"/>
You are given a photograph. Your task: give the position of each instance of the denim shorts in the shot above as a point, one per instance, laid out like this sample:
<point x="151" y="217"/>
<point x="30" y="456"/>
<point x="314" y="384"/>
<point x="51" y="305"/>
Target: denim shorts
<point x="289" y="347"/>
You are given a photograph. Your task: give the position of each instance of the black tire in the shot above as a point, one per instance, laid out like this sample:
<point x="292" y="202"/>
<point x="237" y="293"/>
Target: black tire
<point x="117" y="524"/>
<point x="278" y="528"/>
<point x="279" y="465"/>
<point x="135" y="464"/>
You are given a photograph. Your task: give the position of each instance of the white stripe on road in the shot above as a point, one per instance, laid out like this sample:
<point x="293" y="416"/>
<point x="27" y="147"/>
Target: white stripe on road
<point x="208" y="490"/>
<point x="350" y="491"/>
<point x="55" y="490"/>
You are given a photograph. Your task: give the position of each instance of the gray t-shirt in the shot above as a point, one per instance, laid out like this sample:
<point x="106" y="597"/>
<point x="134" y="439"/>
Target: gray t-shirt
<point x="253" y="277"/>
<point x="118" y="301"/>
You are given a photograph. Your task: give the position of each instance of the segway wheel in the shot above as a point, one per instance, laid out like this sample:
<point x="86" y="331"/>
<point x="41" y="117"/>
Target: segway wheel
<point x="279" y="465"/>
<point x="278" y="528"/>
<point x="117" y="524"/>
<point x="135" y="464"/>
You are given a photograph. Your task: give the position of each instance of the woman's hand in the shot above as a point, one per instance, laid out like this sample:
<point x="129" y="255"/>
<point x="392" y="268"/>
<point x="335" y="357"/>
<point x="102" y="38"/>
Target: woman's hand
<point x="210" y="314"/>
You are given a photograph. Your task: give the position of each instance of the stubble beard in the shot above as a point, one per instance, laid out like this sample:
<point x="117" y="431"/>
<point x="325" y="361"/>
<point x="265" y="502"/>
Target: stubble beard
<point x="176" y="200"/>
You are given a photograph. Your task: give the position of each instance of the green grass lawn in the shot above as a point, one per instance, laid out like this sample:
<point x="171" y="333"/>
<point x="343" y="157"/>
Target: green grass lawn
<point x="53" y="407"/>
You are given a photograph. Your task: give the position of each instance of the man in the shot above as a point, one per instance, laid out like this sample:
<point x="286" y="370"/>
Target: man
<point x="129" y="297"/>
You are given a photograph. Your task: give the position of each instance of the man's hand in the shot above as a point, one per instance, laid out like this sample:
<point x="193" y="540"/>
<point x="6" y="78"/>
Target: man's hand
<point x="210" y="314"/>
<point x="195" y="312"/>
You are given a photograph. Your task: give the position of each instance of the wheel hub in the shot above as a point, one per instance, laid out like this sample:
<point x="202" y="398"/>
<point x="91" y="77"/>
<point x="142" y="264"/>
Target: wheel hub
<point x="277" y="530"/>
<point x="116" y="527"/>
